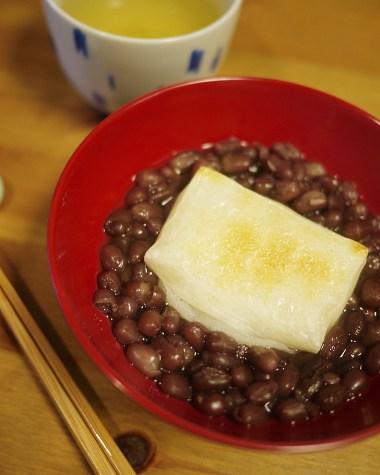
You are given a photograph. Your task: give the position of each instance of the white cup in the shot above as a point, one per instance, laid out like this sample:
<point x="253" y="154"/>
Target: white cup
<point x="109" y="70"/>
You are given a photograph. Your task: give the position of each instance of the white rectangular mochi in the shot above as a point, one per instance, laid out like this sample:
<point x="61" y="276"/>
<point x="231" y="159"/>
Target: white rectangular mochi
<point x="251" y="267"/>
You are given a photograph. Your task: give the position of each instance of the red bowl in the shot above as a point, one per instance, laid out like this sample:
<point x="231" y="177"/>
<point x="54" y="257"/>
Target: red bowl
<point x="145" y="133"/>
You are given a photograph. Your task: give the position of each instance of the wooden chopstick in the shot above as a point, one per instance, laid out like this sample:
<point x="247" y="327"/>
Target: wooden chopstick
<point x="97" y="445"/>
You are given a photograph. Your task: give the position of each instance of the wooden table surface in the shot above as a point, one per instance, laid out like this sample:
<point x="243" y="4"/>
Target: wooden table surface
<point x="331" y="45"/>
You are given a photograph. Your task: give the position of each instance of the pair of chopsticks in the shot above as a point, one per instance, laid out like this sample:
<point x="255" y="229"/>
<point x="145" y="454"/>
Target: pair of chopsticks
<point x="97" y="445"/>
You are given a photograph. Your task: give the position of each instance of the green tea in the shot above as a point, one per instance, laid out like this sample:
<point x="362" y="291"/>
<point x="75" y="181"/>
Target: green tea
<point x="143" y="18"/>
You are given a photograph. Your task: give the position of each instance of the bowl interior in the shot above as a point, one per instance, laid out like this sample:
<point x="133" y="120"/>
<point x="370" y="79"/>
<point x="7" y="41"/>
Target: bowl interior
<point x="144" y="134"/>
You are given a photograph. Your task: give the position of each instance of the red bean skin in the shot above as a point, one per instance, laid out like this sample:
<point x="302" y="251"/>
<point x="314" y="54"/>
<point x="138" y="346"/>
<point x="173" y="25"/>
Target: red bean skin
<point x="110" y="280"/>
<point x="104" y="300"/>
<point x="195" y="334"/>
<point x="356" y="381"/>
<point x="176" y="385"/>
<point x="334" y="343"/>
<point x="291" y="410"/>
<point x="150" y="323"/>
<point x="331" y="397"/>
<point x="145" y="359"/>
<point x="370" y="292"/>
<point x="171" y="320"/>
<point x="127" y="332"/>
<point x="263" y="359"/>
<point x="372" y="359"/>
<point x="210" y="379"/>
<point x="119" y="221"/>
<point x="172" y="358"/>
<point x="112" y="258"/>
<point x="220" y="342"/>
<point x="251" y="414"/>
<point x="211" y="404"/>
<point x="261" y="392"/>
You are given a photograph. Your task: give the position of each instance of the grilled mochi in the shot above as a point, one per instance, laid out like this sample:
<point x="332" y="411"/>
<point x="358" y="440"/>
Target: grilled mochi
<point x="253" y="268"/>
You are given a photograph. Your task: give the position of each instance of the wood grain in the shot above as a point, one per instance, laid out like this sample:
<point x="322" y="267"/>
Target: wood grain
<point x="330" y="45"/>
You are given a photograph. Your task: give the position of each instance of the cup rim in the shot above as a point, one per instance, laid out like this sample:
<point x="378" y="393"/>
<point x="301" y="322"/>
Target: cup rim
<point x="231" y="10"/>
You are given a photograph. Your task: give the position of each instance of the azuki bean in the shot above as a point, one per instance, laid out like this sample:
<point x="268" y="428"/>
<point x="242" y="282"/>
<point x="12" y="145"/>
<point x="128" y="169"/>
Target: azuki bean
<point x="210" y="379"/>
<point x="349" y="192"/>
<point x="371" y="361"/>
<point x="156" y="299"/>
<point x="112" y="258"/>
<point x="176" y="385"/>
<point x="314" y="169"/>
<point x="241" y="376"/>
<point x="307" y="387"/>
<point x="251" y="414"/>
<point x="331" y="377"/>
<point x="137" y="251"/>
<point x="357" y="230"/>
<point x="370" y="292"/>
<point x="119" y="222"/>
<point x="142" y="272"/>
<point x="356" y="381"/>
<point x="150" y="323"/>
<point x="333" y="219"/>
<point x="139" y="231"/>
<point x="373" y="263"/>
<point x="278" y="166"/>
<point x="144" y="358"/>
<point x="219" y="360"/>
<point x="311" y="200"/>
<point x="291" y="410"/>
<point x="122" y="241"/>
<point x="126" y="307"/>
<point x="334" y="343"/>
<point x="154" y="225"/>
<point x="220" y="342"/>
<point x="264" y="184"/>
<point x="104" y="300"/>
<point x="331" y="397"/>
<point x="263" y="359"/>
<point x="233" y="398"/>
<point x="195" y="334"/>
<point x="210" y="404"/>
<point x="126" y="331"/>
<point x="145" y="211"/>
<point x="354" y="324"/>
<point x="235" y="163"/>
<point x="171" y="320"/>
<point x="261" y="392"/>
<point x="172" y="358"/>
<point x="183" y="161"/>
<point x="372" y="333"/>
<point x="287" y="380"/>
<point x="139" y="291"/>
<point x="180" y="342"/>
<point x="227" y="146"/>
<point x="136" y="195"/>
<point x="125" y="274"/>
<point x="357" y="211"/>
<point x="148" y="178"/>
<point x="353" y="350"/>
<point x="110" y="280"/>
<point x="286" y="190"/>
<point x="287" y="151"/>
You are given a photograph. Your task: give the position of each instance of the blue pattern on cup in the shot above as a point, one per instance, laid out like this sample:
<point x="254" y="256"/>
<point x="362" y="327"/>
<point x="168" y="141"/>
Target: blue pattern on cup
<point x="99" y="99"/>
<point x="195" y="60"/>
<point x="216" y="60"/>
<point x="80" y="42"/>
<point x="111" y="82"/>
